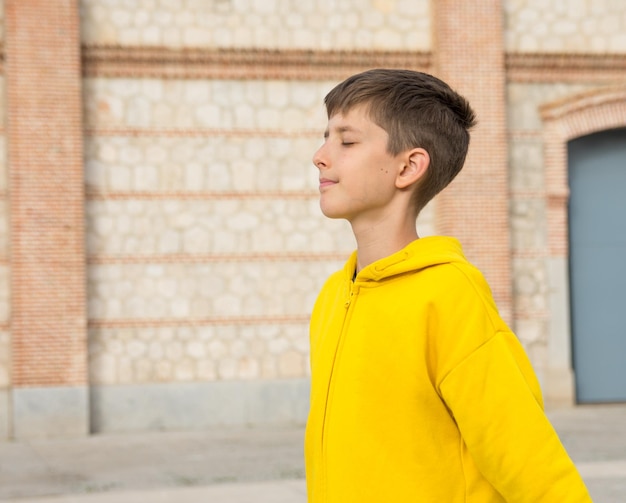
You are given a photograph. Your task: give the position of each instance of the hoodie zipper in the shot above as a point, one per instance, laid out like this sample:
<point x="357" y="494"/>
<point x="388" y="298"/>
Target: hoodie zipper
<point x="352" y="290"/>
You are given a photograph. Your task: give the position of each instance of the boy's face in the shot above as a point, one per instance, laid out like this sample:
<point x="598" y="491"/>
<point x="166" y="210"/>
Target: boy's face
<point x="357" y="174"/>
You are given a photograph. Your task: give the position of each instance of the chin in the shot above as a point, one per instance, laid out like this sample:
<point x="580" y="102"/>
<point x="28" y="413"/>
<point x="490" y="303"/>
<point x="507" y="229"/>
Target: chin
<point x="330" y="212"/>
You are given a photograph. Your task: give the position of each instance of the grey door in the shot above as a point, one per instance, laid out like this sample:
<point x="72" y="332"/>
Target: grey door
<point x="597" y="226"/>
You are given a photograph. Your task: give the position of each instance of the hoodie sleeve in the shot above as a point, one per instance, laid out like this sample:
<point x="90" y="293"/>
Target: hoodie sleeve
<point x="495" y="400"/>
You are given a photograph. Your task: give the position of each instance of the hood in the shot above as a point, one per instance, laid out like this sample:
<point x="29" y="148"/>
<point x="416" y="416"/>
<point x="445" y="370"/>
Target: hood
<point x="421" y="253"/>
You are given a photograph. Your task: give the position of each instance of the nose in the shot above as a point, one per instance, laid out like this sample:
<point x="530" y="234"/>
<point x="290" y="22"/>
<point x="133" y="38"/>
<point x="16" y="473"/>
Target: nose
<point x="319" y="159"/>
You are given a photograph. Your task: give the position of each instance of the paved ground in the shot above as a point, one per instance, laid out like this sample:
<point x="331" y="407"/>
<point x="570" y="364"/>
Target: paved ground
<point x="242" y="465"/>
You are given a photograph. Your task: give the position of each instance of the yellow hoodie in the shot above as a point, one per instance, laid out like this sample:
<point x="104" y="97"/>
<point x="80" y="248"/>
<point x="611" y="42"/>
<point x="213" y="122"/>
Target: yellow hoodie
<point x="420" y="393"/>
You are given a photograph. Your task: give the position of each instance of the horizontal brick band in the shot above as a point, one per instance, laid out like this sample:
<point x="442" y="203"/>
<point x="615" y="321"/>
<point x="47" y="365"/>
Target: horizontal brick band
<point x="204" y="132"/>
<point x="200" y="195"/>
<point x="557" y="67"/>
<point x="212" y="258"/>
<point x="248" y="63"/>
<point x="191" y="322"/>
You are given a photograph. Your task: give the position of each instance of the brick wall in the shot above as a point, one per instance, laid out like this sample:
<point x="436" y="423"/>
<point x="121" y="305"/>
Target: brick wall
<point x="474" y="207"/>
<point x="44" y="138"/>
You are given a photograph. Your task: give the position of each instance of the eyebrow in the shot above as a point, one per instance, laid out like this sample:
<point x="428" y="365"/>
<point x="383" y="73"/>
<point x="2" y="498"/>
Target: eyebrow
<point x="342" y="129"/>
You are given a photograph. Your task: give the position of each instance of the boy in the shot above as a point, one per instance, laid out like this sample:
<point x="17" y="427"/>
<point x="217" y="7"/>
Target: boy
<point x="420" y="393"/>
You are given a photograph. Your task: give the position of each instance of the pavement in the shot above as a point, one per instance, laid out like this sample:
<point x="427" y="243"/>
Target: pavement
<point x="262" y="464"/>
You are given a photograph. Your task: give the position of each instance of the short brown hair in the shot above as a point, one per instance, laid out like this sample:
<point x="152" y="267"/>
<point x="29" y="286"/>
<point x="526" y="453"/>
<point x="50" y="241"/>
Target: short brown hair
<point x="417" y="110"/>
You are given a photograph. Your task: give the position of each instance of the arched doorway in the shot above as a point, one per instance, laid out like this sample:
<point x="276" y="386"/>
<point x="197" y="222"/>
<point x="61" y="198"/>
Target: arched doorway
<point x="597" y="258"/>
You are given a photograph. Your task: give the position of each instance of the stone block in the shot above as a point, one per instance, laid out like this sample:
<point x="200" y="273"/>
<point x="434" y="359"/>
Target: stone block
<point x="188" y="406"/>
<point x="5" y="414"/>
<point x="50" y="412"/>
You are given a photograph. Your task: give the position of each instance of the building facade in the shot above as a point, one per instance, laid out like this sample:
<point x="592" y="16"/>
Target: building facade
<point x="161" y="244"/>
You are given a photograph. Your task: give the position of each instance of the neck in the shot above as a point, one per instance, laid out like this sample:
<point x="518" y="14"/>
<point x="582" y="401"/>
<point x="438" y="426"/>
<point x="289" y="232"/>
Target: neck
<point x="381" y="239"/>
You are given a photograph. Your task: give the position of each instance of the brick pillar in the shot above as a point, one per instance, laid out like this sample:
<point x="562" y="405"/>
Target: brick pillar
<point x="469" y="55"/>
<point x="46" y="197"/>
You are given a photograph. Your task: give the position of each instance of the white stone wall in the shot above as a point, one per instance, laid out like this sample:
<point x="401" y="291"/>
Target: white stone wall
<point x="221" y="226"/>
<point x="284" y="24"/>
<point x="197" y="353"/>
<point x="525" y="99"/>
<point x="188" y="292"/>
<point x="204" y="163"/>
<point x="563" y="26"/>
<point x="426" y="221"/>
<point x="201" y="104"/>
<point x="202" y="213"/>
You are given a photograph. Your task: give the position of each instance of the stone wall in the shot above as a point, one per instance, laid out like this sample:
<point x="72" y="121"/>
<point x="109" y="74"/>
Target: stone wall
<point x="570" y="26"/>
<point x="284" y="24"/>
<point x="206" y="245"/>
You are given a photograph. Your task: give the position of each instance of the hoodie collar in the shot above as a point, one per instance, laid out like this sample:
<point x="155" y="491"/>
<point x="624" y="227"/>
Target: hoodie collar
<point x="419" y="254"/>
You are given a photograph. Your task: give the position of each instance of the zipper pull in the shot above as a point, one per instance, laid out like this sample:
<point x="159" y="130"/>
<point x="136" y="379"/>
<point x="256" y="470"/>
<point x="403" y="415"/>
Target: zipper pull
<point x="349" y="299"/>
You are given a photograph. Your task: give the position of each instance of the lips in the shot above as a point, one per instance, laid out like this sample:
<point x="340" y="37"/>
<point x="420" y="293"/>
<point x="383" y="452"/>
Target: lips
<point x="325" y="182"/>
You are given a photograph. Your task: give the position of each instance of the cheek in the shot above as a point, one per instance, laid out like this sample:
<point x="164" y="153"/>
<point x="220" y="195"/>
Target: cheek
<point x="381" y="183"/>
<point x="383" y="172"/>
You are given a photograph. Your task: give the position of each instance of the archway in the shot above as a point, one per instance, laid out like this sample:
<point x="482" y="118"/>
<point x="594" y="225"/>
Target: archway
<point x="581" y="115"/>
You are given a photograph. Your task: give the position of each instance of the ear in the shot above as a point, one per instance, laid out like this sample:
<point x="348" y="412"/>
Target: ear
<point x="416" y="162"/>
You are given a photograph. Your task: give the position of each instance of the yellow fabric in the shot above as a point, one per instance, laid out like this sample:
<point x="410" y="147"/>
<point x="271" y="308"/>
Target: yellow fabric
<point x="421" y="393"/>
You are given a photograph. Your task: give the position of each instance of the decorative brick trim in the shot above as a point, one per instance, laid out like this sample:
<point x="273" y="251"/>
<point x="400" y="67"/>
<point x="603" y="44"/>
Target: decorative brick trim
<point x="572" y="107"/>
<point x="582" y="114"/>
<point x="531" y="314"/>
<point x="94" y="195"/>
<point x="243" y="63"/>
<point x="250" y="63"/>
<point x="199" y="322"/>
<point x="557" y="67"/>
<point x="205" y="258"/>
<point x="204" y="132"/>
